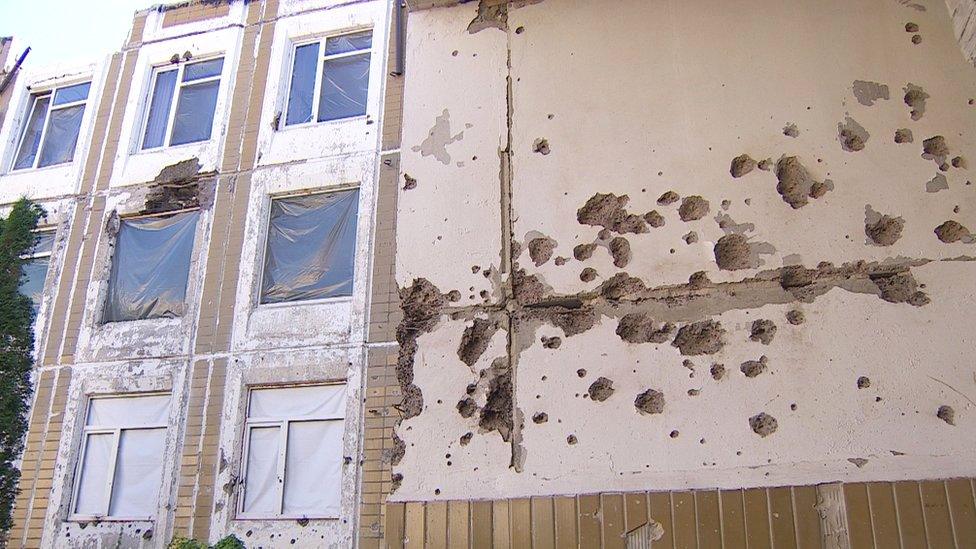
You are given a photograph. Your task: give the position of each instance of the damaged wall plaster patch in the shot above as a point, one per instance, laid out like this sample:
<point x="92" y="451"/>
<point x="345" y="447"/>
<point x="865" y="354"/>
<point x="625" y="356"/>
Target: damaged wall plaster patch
<point x="693" y="208"/>
<point x="915" y="98"/>
<point x="882" y="229"/>
<point x="953" y="231"/>
<point x="795" y="183"/>
<point x="852" y="136"/>
<point x="601" y="389"/>
<point x="741" y="165"/>
<point x="904" y="135"/>
<point x="475" y="340"/>
<point x="763" y="424"/>
<point x="438" y="139"/>
<point x="936" y="184"/>
<point x="868" y="92"/>
<point x="706" y="337"/>
<point x="650" y="402"/>
<point x="607" y="211"/>
<point x="540" y="249"/>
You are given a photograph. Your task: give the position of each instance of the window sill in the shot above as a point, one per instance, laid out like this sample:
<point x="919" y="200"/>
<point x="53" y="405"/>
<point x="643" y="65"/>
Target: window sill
<point x="336" y="122"/>
<point x="303" y="302"/>
<point x="280" y="518"/>
<point x="157" y="150"/>
<point x="94" y="518"/>
<point x="22" y="171"/>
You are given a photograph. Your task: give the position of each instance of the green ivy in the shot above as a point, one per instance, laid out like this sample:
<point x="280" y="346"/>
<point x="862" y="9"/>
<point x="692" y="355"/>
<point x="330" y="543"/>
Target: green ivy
<point x="16" y="347"/>
<point x="230" y="542"/>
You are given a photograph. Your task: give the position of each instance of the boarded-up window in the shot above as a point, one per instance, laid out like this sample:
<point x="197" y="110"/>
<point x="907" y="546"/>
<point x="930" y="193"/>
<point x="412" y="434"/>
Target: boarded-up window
<point x="293" y="453"/>
<point x="311" y="247"/>
<point x="121" y="462"/>
<point x="150" y="267"/>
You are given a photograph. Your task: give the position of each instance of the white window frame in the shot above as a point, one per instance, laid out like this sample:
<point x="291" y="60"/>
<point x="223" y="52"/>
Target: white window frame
<point x="116" y="431"/>
<point x="317" y="89"/>
<point x="177" y="90"/>
<point x="47" y="120"/>
<point x="267" y="234"/>
<point x="53" y="230"/>
<point x="283" y="428"/>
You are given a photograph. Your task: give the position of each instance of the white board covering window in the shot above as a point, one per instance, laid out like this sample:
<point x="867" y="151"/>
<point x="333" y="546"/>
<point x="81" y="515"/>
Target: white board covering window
<point x="329" y="79"/>
<point x="121" y="461"/>
<point x="293" y="452"/>
<point x="150" y="267"/>
<point x="182" y="100"/>
<point x="34" y="268"/>
<point x="50" y="133"/>
<point x="311" y="247"/>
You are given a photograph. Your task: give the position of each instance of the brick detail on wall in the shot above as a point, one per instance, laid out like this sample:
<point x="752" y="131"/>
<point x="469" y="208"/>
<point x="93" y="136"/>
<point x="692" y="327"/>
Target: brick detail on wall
<point x="195" y="11"/>
<point x="382" y="396"/>
<point x="393" y="100"/>
<point x="384" y="303"/>
<point x="32" y="456"/>
<point x="48" y="457"/>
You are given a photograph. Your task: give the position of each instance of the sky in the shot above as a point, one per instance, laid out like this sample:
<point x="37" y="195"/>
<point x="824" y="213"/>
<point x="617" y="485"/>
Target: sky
<point x="68" y="31"/>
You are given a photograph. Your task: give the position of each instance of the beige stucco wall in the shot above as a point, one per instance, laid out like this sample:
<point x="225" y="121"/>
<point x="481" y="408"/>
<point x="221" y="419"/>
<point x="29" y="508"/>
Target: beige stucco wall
<point x="638" y="98"/>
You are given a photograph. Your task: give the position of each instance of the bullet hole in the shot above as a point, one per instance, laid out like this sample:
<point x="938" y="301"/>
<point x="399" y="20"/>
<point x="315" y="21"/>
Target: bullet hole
<point x="700" y="338"/>
<point x="900" y="288"/>
<point x="581" y="372"/>
<point x="550" y="116"/>
<point x="935" y="148"/>
<point x="869" y="92"/>
<point x="641" y="328"/>
<point x="763" y="424"/>
<point x="946" y="414"/>
<point x="795" y="183"/>
<point x="852" y="135"/>
<point x="467" y="407"/>
<point x="690" y="238"/>
<point x="497" y="413"/>
<point x="951" y="231"/>
<point x="717" y="371"/>
<point x="741" y="165"/>
<point x="882" y="229"/>
<point x="484" y="294"/>
<point x="560" y="261"/>
<point x="765" y="165"/>
<point x="698" y="280"/>
<point x="793" y="406"/>
<point x="904" y="135"/>
<point x="540" y="417"/>
<point x="519" y="30"/>
<point x="571" y="440"/>
<point x="396" y="479"/>
<point x="582" y="252"/>
<point x="701" y="441"/>
<point x="726" y="204"/>
<point x="588" y="274"/>
<point x="601" y="389"/>
<point x="409" y="182"/>
<point x="620" y="251"/>
<point x="453" y="296"/>
<point x="915" y="98"/>
<point x="654" y="219"/>
<point x="693" y="208"/>
<point x="733" y="253"/>
<point x="540" y="250"/>
<point x="668" y="198"/>
<point x="752" y="368"/>
<point x="911" y="27"/>
<point x="688" y="364"/>
<point x="541" y="146"/>
<point x="651" y="402"/>
<point x="475" y="269"/>
<point x="863" y="382"/>
<point x="466" y="438"/>
<point x="437" y="491"/>
<point x="551" y="342"/>
<point x="763" y="331"/>
<point x="959" y="162"/>
<point x="693" y="392"/>
<point x="877" y="399"/>
<point x="604" y="234"/>
<point x="607" y="211"/>
<point x="917" y="39"/>
<point x="454" y="53"/>
<point x="859" y="462"/>
<point x="471" y="388"/>
<point x="475" y="340"/>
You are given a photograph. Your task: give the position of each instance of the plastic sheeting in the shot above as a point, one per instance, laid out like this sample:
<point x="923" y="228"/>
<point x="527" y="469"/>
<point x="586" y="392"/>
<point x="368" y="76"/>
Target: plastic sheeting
<point x="94" y="479"/>
<point x="142" y="411"/>
<point x="261" y="477"/>
<point x="311" y="247"/>
<point x="62" y="136"/>
<point x="162" y="99"/>
<point x="317" y="401"/>
<point x="138" y="472"/>
<point x="313" y="469"/>
<point x="194" y="113"/>
<point x="32" y="283"/>
<point x="150" y="268"/>
<point x="349" y="42"/>
<point x="345" y="86"/>
<point x="32" y="133"/>
<point x="302" y="88"/>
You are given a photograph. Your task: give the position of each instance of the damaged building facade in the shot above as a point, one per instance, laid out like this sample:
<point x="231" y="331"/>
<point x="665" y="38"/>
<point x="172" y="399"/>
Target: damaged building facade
<point x="649" y="273"/>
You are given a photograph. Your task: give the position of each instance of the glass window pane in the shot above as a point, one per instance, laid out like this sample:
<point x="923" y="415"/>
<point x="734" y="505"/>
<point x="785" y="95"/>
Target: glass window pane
<point x="203" y="69"/>
<point x="44" y="242"/>
<point x="32" y="133"/>
<point x="32" y="282"/>
<point x="133" y="411"/>
<point x="138" y="473"/>
<point x="93" y="482"/>
<point x="70" y="94"/>
<point x="344" y="87"/>
<point x="310" y="248"/>
<point x="62" y="136"/>
<point x="150" y="268"/>
<point x="318" y="401"/>
<point x="261" y="477"/>
<point x="195" y="113"/>
<point x="302" y="89"/>
<point x="313" y="468"/>
<point x="162" y="98"/>
<point x="349" y="42"/>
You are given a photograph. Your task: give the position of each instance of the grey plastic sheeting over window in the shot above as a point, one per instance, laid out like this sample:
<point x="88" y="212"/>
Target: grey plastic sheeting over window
<point x="150" y="268"/>
<point x="311" y="247"/>
<point x="34" y="270"/>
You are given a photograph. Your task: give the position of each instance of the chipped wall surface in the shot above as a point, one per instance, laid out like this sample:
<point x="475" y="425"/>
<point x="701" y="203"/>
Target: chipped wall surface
<point x="677" y="315"/>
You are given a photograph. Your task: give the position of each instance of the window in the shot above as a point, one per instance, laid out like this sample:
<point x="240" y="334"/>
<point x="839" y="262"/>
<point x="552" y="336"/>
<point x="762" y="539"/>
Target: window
<point x="150" y="267"/>
<point x="342" y="82"/>
<point x="293" y="452"/>
<point x="35" y="268"/>
<point x="53" y="124"/>
<point x="311" y="246"/>
<point x="122" y="450"/>
<point x="193" y="88"/>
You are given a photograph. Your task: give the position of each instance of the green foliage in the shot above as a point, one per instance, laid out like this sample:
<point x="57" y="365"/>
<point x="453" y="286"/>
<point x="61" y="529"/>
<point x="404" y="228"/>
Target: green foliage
<point x="230" y="542"/>
<point x="16" y="347"/>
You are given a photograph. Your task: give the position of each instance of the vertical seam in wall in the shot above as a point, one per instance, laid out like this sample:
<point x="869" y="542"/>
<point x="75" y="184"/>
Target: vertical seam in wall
<point x="921" y="502"/>
<point x="41" y="419"/>
<point x="894" y="497"/>
<point x="796" y="527"/>
<point x="721" y="520"/>
<point x="769" y="518"/>
<point x="60" y="393"/>
<point x="874" y="530"/>
<point x="698" y="523"/>
<point x="671" y="511"/>
<point x="952" y="521"/>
